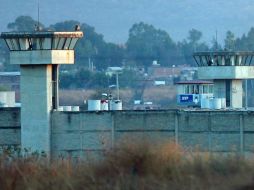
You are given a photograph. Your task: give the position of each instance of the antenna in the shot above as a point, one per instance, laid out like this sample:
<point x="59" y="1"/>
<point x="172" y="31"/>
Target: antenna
<point x="216" y="40"/>
<point x="38" y="16"/>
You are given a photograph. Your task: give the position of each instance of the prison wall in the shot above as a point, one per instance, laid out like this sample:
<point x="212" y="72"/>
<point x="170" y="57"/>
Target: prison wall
<point x="81" y="134"/>
<point x="84" y="134"/>
<point x="10" y="127"/>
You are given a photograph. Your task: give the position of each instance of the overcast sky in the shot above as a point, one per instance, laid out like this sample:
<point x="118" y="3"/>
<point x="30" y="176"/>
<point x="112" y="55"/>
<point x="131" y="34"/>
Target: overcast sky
<point x="113" y="18"/>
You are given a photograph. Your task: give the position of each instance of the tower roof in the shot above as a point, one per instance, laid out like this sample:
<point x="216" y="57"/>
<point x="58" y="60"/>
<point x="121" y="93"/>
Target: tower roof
<point x="223" y="53"/>
<point x="41" y="34"/>
<point x="41" y="40"/>
<point x="224" y="58"/>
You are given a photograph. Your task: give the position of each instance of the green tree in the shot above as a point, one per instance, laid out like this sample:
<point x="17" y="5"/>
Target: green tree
<point x="192" y="44"/>
<point x="249" y="40"/>
<point x="21" y="23"/>
<point x="230" y="41"/>
<point x="66" y="80"/>
<point x="101" y="53"/>
<point x="67" y="25"/>
<point x="215" y="45"/>
<point x="24" y="23"/>
<point x="92" y="47"/>
<point x="246" y="42"/>
<point x="100" y="79"/>
<point x="146" y="43"/>
<point x="129" y="78"/>
<point x="194" y="36"/>
<point x="85" y="49"/>
<point x="83" y="79"/>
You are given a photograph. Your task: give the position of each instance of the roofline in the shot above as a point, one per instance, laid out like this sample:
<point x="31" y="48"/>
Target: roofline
<point x="222" y="53"/>
<point x="194" y="82"/>
<point x="41" y="34"/>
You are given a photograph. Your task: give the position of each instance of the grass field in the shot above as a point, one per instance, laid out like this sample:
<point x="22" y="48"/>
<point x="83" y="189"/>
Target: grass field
<point x="135" y="166"/>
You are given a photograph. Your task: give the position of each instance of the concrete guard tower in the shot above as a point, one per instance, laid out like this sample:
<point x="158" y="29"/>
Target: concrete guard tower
<point x="227" y="69"/>
<point x="39" y="55"/>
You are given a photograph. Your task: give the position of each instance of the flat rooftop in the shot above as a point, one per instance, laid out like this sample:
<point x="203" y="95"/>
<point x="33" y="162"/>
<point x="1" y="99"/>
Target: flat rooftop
<point x="223" y="53"/>
<point x="41" y="34"/>
<point x="224" y="58"/>
<point x="194" y="82"/>
<point x="41" y="40"/>
<point x="10" y="73"/>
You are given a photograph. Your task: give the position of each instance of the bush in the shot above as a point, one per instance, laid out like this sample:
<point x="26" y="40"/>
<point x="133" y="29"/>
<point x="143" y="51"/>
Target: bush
<point x="130" y="165"/>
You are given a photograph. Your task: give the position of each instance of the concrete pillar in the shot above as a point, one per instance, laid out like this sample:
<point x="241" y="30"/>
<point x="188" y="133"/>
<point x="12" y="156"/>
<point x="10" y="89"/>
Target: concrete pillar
<point x="36" y="98"/>
<point x="231" y="90"/>
<point x="55" y="82"/>
<point x="236" y="94"/>
<point x="219" y="88"/>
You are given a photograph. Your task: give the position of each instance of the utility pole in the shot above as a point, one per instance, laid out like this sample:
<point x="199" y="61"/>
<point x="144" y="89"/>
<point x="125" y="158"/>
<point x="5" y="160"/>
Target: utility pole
<point x="246" y="94"/>
<point x="117" y="85"/>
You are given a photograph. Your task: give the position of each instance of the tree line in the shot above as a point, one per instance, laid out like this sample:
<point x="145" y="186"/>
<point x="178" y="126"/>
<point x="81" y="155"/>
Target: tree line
<point x="145" y="43"/>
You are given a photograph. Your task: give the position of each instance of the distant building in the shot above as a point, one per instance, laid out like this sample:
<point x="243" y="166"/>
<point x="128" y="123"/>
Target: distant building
<point x="188" y="73"/>
<point x="10" y="80"/>
<point x="172" y="74"/>
<point x="113" y="70"/>
<point x="191" y="93"/>
<point x="163" y="72"/>
<point x="155" y="63"/>
<point x="159" y="83"/>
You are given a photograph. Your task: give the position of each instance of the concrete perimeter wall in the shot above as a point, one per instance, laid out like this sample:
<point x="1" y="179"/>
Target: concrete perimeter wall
<point x="10" y="127"/>
<point x="80" y="134"/>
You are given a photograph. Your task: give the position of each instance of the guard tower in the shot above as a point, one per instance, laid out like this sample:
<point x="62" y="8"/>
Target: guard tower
<point x="227" y="69"/>
<point x="39" y="55"/>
